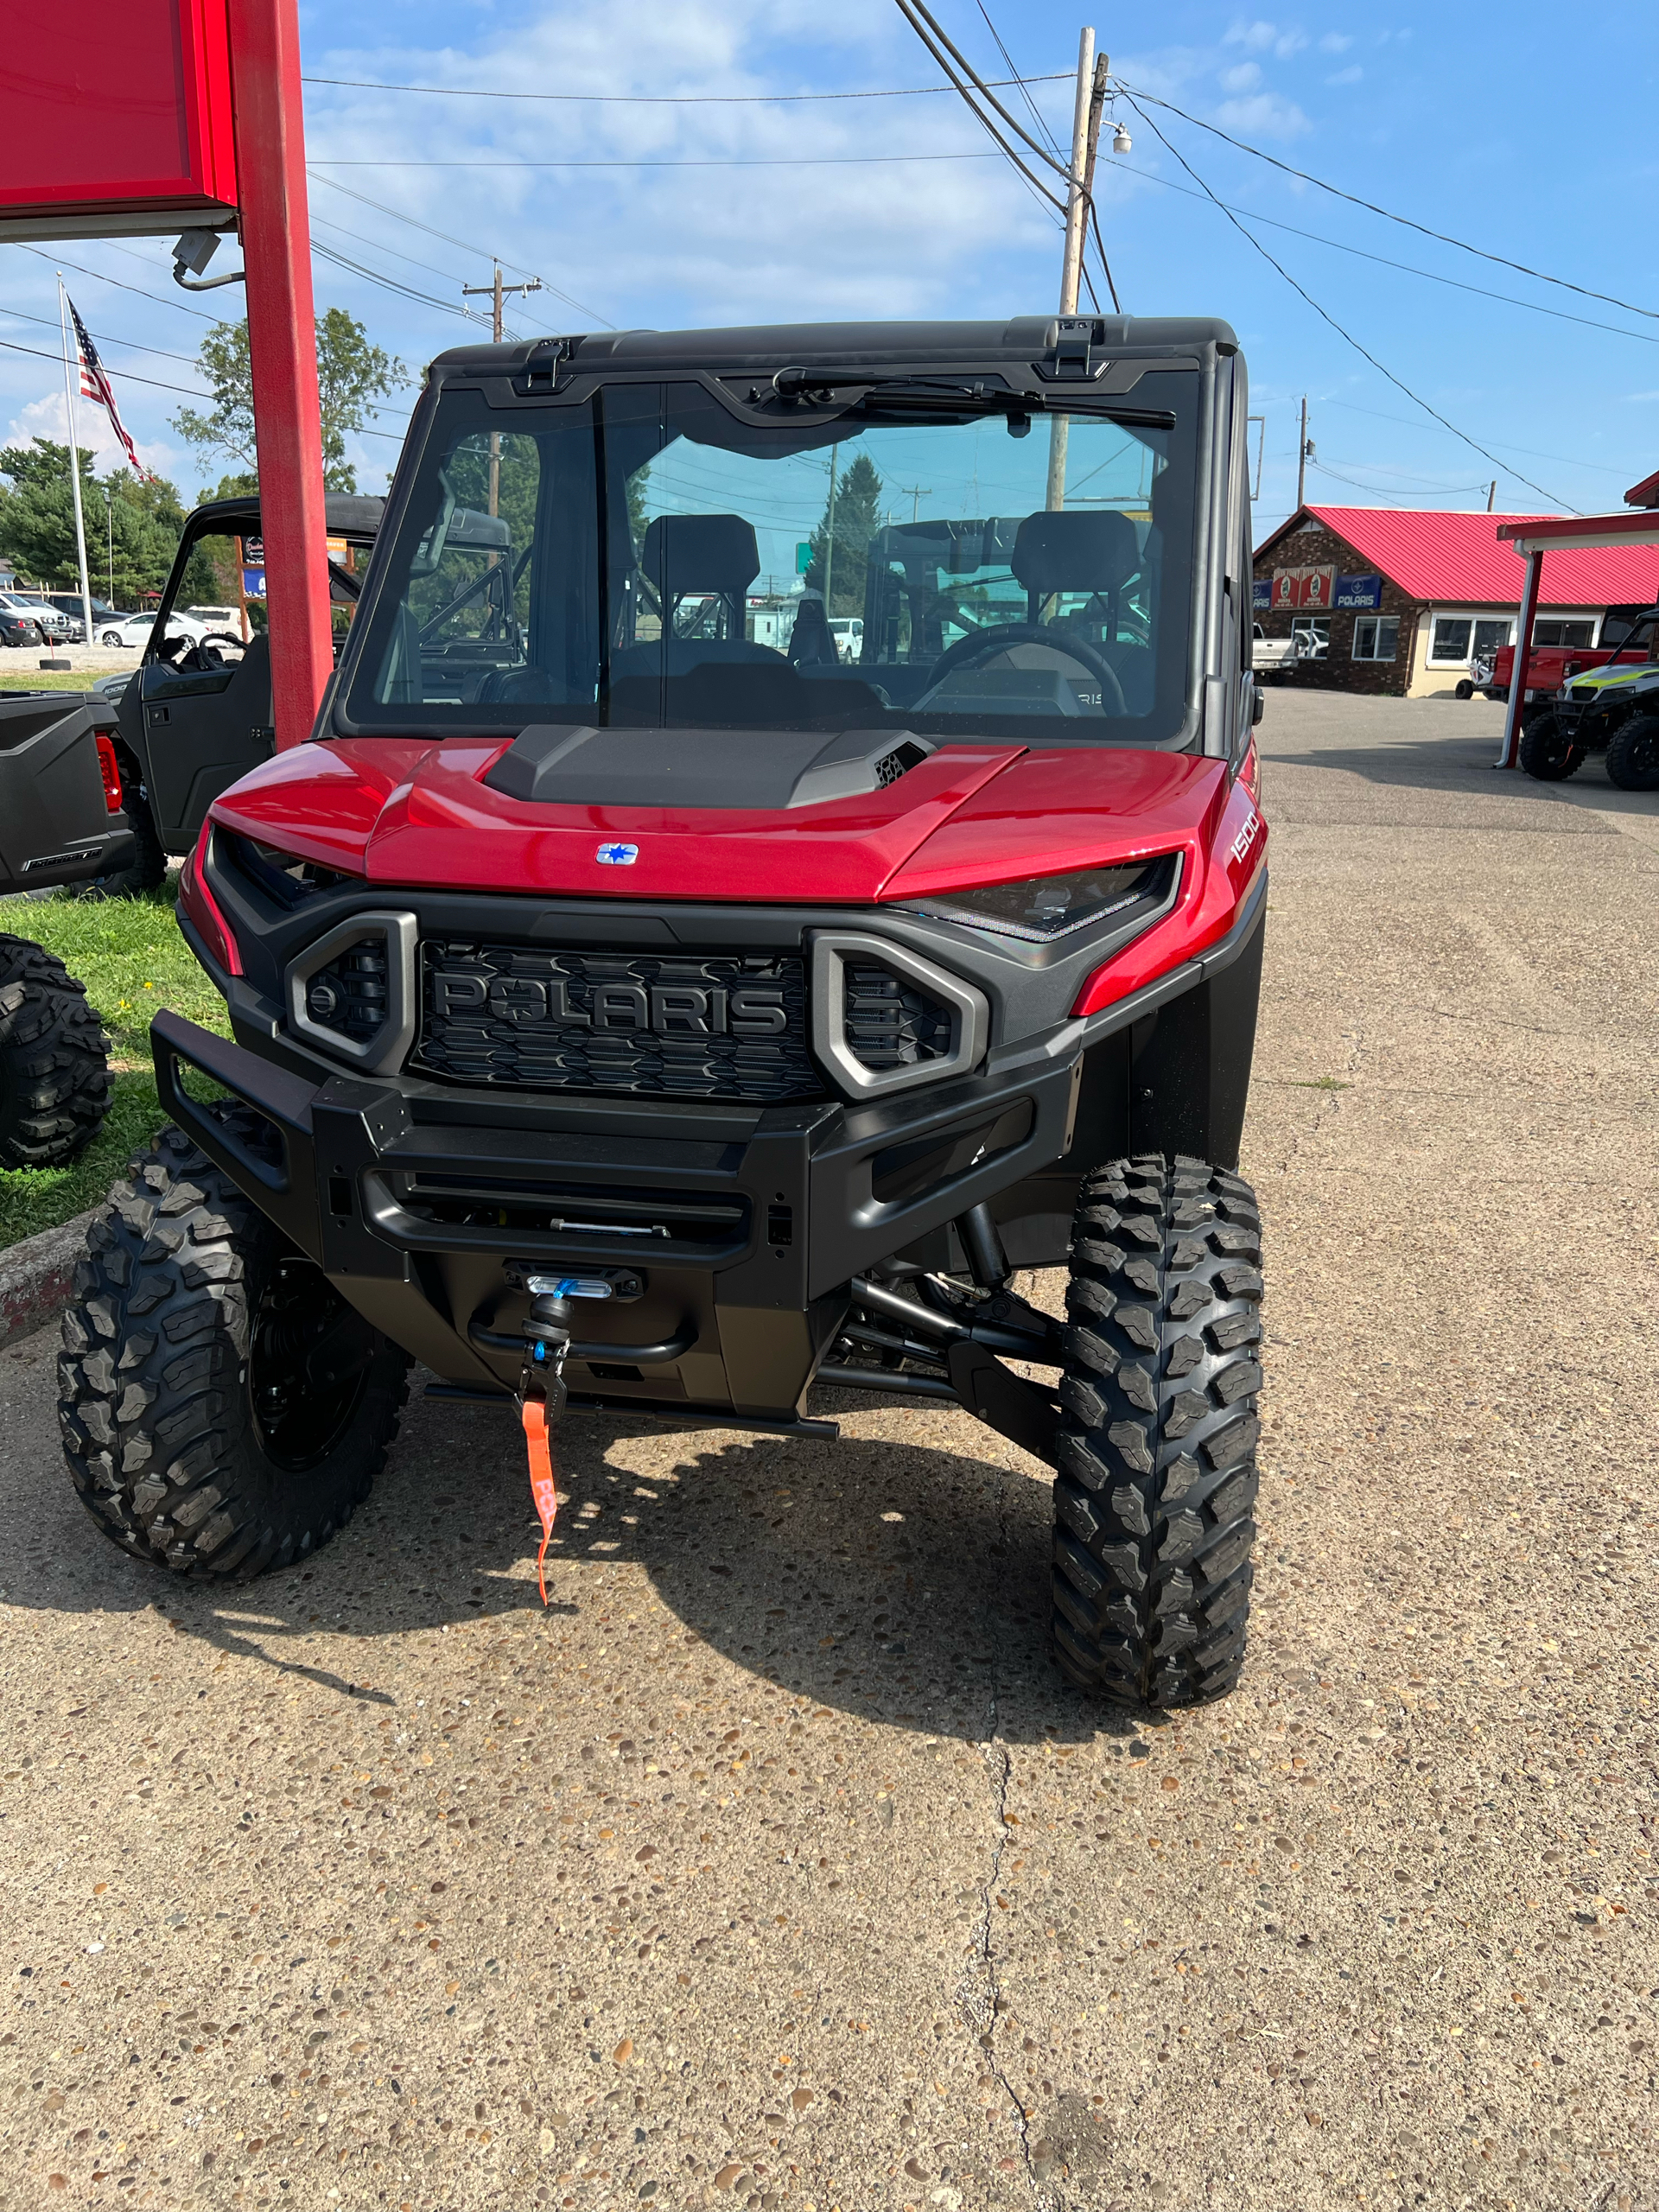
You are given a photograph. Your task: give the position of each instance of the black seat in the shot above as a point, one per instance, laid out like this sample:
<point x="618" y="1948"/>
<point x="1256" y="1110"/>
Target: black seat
<point x="811" y="643"/>
<point x="1073" y="551"/>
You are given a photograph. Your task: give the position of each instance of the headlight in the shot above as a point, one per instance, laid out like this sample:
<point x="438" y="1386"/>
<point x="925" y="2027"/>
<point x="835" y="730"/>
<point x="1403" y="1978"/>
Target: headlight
<point x="284" y="876"/>
<point x="1042" y="908"/>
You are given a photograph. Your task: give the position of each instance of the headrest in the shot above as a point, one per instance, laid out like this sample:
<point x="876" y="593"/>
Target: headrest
<point x="1061" y="551"/>
<point x="811" y="642"/>
<point x="692" y="553"/>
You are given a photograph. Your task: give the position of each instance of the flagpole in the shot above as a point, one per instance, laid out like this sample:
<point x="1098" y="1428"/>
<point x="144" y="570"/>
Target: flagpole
<point x="69" y="383"/>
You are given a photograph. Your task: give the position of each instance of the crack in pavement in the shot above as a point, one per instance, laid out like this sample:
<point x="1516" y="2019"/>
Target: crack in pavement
<point x="978" y="1991"/>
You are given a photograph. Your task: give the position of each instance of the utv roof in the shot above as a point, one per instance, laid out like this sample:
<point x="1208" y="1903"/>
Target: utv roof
<point x="348" y="514"/>
<point x="1027" y="337"/>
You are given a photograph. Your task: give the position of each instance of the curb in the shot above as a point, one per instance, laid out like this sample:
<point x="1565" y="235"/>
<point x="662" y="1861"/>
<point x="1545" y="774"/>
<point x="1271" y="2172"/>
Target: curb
<point x="37" y="1276"/>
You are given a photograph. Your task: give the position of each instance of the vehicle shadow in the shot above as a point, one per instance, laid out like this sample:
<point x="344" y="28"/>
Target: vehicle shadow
<point x="903" y="1581"/>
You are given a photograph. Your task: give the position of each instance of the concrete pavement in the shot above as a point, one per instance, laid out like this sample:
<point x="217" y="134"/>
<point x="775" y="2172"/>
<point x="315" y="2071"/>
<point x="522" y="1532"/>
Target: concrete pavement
<point x="773" y="1865"/>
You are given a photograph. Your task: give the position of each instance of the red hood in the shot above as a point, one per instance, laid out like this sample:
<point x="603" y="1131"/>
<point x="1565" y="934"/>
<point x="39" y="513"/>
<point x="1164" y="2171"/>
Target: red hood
<point x="406" y="812"/>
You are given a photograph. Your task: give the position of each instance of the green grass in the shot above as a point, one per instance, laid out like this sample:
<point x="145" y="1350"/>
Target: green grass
<point x="131" y="957"/>
<point x="43" y="679"/>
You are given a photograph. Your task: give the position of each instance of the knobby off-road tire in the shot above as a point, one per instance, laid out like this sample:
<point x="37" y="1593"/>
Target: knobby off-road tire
<point x="224" y="1410"/>
<point x="1633" y="754"/>
<point x="1548" y="753"/>
<point x="1157" y="1478"/>
<point x="54" y="1059"/>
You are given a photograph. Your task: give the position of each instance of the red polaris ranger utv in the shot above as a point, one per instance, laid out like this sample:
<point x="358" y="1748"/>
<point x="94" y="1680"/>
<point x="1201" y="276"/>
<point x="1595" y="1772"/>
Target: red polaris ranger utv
<point x="779" y="855"/>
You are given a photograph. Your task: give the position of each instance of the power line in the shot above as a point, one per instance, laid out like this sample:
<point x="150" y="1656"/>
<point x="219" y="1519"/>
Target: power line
<point x="103" y="338"/>
<point x="1606" y="468"/>
<point x="670" y="100"/>
<point x="465" y="246"/>
<point x="158" y="299"/>
<point x="1325" y="317"/>
<point x="392" y="284"/>
<point x="56" y="360"/>
<point x="937" y="49"/>
<point x="1441" y="237"/>
<point x="1408" y="269"/>
<point x="669" y="162"/>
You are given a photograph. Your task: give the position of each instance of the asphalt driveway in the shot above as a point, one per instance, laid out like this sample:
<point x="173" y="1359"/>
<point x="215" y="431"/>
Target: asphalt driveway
<point x="775" y="1866"/>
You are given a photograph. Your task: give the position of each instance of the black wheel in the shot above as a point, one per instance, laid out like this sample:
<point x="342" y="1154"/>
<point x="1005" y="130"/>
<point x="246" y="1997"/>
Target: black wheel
<point x="1465" y="690"/>
<point x="224" y="1410"/>
<point x="147" y="869"/>
<point x="1157" y="1476"/>
<point x="1633" y="754"/>
<point x="54" y="1059"/>
<point x="1546" y="752"/>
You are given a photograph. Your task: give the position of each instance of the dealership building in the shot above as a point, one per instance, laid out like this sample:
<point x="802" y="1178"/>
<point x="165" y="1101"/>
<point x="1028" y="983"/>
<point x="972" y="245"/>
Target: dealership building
<point x="1399" y="601"/>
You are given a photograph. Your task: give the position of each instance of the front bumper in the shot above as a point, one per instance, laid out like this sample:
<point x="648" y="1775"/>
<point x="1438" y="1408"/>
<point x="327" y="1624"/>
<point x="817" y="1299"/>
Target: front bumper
<point x="741" y="1230"/>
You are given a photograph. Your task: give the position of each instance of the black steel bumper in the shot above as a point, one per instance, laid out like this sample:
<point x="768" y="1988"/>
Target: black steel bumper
<point x="741" y="1236"/>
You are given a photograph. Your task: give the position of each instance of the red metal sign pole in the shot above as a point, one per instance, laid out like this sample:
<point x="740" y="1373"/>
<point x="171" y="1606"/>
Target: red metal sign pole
<point x="282" y="342"/>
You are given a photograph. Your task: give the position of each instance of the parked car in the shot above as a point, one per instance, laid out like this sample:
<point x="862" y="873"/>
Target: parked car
<point x="216" y="619"/>
<point x="1274" y="657"/>
<point x="133" y="629"/>
<point x="55" y="625"/>
<point x="848" y="631"/>
<point x="68" y="603"/>
<point x="23" y="624"/>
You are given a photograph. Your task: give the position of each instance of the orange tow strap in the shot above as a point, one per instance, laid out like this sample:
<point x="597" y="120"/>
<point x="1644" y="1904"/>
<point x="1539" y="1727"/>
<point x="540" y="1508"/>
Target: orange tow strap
<point x="542" y="1488"/>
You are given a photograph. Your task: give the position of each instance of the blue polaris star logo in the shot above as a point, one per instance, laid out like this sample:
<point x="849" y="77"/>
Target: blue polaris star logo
<point x="618" y="855"/>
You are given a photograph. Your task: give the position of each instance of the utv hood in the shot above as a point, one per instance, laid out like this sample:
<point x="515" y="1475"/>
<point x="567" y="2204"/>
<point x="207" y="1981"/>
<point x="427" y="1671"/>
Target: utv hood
<point x="455" y="814"/>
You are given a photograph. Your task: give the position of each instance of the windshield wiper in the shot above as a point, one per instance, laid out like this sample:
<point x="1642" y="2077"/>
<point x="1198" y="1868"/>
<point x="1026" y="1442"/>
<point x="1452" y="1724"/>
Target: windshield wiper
<point x="950" y="395"/>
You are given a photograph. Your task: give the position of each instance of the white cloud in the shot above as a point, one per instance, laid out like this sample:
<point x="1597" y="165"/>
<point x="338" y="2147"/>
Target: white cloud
<point x="1264" y="38"/>
<point x="1334" y="43"/>
<point x="1351" y="75"/>
<point x="1268" y="115"/>
<point x="853" y="235"/>
<point x="1244" y="79"/>
<point x="49" y="417"/>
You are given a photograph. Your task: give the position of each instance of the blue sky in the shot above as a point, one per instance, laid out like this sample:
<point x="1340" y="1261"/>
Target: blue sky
<point x="770" y="210"/>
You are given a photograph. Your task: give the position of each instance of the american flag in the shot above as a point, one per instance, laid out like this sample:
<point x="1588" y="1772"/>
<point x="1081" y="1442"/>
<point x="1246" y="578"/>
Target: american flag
<point x="95" y="384"/>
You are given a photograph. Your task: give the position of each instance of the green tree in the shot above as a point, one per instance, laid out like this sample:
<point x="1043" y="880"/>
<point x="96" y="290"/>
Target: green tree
<point x="135" y="533"/>
<point x="855" y="507"/>
<point x="351" y="374"/>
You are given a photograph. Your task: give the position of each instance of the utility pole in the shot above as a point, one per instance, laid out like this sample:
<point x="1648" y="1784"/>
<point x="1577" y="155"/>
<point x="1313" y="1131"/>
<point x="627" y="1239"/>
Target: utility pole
<point x="1492" y="496"/>
<point x="496" y="293"/>
<point x="830" y="529"/>
<point x="915" y="494"/>
<point x="1085" y="136"/>
<point x="1302" y="452"/>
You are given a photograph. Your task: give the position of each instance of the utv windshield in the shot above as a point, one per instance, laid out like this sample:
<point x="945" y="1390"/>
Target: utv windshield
<point x="646" y="557"/>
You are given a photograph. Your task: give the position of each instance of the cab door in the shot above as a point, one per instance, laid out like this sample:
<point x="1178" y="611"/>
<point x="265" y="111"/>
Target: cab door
<point x="203" y="726"/>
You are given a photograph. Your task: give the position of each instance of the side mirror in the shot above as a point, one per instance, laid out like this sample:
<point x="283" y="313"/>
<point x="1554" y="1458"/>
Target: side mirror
<point x="1258" y="704"/>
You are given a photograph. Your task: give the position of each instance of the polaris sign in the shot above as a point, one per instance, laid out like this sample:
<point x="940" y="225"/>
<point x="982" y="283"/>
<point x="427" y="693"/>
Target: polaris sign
<point x="1358" y="591"/>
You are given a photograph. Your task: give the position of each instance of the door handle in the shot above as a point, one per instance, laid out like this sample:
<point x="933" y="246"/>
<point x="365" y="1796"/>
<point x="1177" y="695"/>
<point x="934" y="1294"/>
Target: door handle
<point x="265" y="736"/>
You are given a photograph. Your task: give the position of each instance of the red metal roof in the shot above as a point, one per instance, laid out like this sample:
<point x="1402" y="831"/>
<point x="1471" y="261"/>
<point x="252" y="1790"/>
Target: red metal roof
<point x="1458" y="560"/>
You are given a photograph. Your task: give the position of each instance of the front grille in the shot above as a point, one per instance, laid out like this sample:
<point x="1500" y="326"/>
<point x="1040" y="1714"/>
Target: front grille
<point x="1584" y="693"/>
<point x="724" y="1027"/>
<point x="891" y="1022"/>
<point x="349" y="995"/>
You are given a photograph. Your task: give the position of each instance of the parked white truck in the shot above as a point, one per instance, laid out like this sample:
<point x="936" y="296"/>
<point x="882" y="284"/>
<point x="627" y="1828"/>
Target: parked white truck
<point x="1273" y="658"/>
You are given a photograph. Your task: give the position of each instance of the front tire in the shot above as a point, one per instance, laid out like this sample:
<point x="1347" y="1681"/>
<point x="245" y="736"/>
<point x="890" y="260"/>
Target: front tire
<point x="1633" y="754"/>
<point x="1548" y="753"/>
<point x="224" y="1411"/>
<point x="1463" y="690"/>
<point x="1157" y="1477"/>
<point x="54" y="1059"/>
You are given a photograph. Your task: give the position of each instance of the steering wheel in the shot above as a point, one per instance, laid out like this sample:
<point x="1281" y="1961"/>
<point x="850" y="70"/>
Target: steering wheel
<point x="967" y="651"/>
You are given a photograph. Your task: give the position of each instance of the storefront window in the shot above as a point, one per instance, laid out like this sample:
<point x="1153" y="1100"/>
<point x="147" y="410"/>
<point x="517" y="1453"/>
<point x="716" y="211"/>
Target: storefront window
<point x="1562" y="633"/>
<point x="1314" y="632"/>
<point x="1453" y="636"/>
<point x="1490" y="637"/>
<point x="1376" y="637"/>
